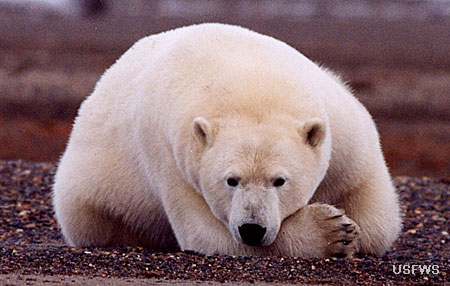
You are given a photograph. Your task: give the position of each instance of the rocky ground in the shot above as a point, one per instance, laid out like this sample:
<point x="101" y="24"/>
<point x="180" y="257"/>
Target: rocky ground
<point x="33" y="251"/>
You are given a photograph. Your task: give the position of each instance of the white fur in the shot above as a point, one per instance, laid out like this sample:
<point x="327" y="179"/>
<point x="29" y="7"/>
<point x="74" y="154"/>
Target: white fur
<point x="182" y="111"/>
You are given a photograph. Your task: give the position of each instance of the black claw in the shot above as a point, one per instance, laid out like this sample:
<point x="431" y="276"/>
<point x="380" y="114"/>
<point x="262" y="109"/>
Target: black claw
<point x="340" y="255"/>
<point x="349" y="230"/>
<point x="344" y="241"/>
<point x="334" y="217"/>
<point x="346" y="224"/>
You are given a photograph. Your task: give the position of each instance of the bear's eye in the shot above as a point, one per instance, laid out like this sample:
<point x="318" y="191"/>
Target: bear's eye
<point x="279" y="182"/>
<point x="233" y="182"/>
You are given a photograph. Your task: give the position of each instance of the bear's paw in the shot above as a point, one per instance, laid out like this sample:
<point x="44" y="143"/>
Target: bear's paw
<point x="338" y="233"/>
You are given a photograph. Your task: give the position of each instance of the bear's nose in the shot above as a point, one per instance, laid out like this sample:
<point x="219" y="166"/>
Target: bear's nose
<point x="252" y="234"/>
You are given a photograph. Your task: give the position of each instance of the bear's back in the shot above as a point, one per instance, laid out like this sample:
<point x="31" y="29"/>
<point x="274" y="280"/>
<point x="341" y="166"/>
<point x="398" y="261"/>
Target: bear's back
<point x="214" y="70"/>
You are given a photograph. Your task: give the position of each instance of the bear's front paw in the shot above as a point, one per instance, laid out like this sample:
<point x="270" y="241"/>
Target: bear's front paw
<point x="339" y="234"/>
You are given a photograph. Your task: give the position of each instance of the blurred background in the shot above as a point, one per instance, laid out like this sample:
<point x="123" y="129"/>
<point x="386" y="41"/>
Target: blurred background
<point x="395" y="55"/>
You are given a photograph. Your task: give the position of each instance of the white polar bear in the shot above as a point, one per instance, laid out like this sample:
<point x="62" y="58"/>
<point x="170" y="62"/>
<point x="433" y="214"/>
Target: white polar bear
<point x="217" y="139"/>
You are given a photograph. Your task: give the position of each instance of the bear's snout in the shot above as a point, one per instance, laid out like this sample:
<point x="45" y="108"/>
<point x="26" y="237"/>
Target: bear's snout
<point x="252" y="234"/>
<point x="254" y="217"/>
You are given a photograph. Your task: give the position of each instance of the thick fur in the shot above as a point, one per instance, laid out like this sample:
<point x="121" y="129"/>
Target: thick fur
<point x="181" y="112"/>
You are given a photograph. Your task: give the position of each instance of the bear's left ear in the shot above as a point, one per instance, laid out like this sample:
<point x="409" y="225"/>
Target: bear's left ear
<point x="202" y="131"/>
<point x="313" y="131"/>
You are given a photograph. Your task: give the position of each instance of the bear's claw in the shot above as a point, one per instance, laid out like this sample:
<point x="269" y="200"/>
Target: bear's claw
<point x="340" y="233"/>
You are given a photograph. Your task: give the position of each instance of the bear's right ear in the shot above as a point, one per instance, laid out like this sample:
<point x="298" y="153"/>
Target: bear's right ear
<point x="202" y="131"/>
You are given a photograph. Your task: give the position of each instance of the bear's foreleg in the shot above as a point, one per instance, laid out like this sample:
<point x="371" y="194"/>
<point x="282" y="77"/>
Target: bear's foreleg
<point x="374" y="206"/>
<point x="194" y="225"/>
<point x="316" y="231"/>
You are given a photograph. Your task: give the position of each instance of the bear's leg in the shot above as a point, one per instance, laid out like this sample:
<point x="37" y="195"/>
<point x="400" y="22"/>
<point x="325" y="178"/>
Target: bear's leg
<point x="84" y="225"/>
<point x="194" y="225"/>
<point x="315" y="231"/>
<point x="374" y="206"/>
<point x="87" y="226"/>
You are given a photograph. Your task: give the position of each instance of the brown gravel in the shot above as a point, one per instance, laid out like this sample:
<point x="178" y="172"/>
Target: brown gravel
<point x="31" y="244"/>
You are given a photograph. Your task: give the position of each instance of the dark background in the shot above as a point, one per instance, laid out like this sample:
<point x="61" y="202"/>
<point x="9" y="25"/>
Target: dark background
<point x="395" y="55"/>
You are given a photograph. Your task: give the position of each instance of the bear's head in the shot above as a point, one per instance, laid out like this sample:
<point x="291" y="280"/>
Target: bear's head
<point x="253" y="175"/>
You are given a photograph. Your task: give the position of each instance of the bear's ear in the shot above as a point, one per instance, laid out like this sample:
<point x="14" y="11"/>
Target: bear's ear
<point x="202" y="131"/>
<point x="313" y="131"/>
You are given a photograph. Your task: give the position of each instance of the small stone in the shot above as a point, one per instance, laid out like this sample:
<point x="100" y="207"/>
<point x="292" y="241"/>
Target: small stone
<point x="23" y="213"/>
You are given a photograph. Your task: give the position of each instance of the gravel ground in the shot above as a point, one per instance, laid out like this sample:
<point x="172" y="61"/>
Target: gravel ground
<point x="33" y="251"/>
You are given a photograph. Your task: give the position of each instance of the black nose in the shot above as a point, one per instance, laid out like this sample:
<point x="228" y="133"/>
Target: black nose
<point x="252" y="234"/>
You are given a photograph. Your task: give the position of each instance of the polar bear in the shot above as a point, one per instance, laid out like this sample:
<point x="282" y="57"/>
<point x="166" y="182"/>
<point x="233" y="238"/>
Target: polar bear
<point x="220" y="140"/>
